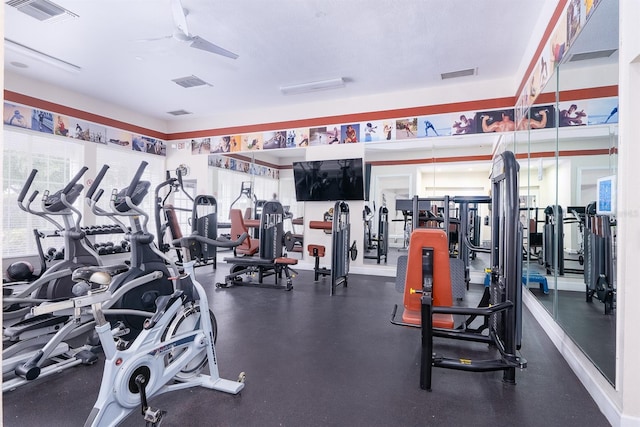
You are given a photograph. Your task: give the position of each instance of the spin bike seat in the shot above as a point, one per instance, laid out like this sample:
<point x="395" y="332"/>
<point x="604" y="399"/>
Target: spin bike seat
<point x="98" y="275"/>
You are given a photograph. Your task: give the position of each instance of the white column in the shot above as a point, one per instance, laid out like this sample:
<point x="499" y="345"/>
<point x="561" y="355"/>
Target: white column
<point x="628" y="297"/>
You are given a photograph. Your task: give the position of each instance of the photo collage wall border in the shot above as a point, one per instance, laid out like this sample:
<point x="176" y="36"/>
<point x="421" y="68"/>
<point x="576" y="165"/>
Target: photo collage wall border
<point x="584" y="112"/>
<point x="25" y="117"/>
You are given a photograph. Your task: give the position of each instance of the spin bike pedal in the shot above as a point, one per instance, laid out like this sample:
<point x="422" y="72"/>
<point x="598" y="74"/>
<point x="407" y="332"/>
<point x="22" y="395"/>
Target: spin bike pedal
<point x="154" y="417"/>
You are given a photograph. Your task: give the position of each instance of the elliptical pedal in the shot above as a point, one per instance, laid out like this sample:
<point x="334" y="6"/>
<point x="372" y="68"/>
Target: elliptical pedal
<point x="36" y="323"/>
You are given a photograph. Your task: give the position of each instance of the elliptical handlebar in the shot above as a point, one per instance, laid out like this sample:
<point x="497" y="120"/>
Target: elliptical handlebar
<point x="97" y="181"/>
<point x="97" y="197"/>
<point x="75" y="179"/>
<point x="136" y="179"/>
<point x="33" y="197"/>
<point x="27" y="185"/>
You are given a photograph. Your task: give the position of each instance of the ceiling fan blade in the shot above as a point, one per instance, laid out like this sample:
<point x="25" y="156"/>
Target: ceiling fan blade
<point x="153" y="39"/>
<point x="179" y="16"/>
<point x="200" y="43"/>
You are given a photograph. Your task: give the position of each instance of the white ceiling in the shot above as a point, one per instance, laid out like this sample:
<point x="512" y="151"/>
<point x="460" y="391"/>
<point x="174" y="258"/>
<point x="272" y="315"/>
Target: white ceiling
<point x="377" y="46"/>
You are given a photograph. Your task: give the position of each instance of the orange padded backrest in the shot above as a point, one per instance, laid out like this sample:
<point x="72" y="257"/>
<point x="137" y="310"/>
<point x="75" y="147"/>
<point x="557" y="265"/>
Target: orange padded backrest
<point x="442" y="294"/>
<point x="249" y="246"/>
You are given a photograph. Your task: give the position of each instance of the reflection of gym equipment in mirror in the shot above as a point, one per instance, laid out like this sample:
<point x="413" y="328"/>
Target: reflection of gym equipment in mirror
<point x="337" y="223"/>
<point x="379" y="242"/>
<point x="428" y="294"/>
<point x="262" y="257"/>
<point x="462" y="230"/>
<point x="600" y="258"/>
<point x="469" y="231"/>
<point x="555" y="255"/>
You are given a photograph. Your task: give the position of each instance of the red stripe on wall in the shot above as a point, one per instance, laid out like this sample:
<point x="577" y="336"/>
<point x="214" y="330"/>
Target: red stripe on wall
<point x="79" y="114"/>
<point x="565" y="153"/>
<point x="485" y="104"/>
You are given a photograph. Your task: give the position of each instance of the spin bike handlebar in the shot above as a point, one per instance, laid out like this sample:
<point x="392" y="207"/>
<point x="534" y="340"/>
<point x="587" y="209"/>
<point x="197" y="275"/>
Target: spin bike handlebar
<point x="97" y="181"/>
<point x="184" y="241"/>
<point x="136" y="179"/>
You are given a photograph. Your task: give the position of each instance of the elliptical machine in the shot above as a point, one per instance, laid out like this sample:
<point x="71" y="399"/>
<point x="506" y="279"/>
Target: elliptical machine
<point x="56" y="281"/>
<point x="40" y="345"/>
<point x="151" y="274"/>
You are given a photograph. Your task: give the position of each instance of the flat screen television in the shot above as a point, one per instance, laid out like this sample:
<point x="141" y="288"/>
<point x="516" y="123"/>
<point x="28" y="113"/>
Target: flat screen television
<point x="329" y="180"/>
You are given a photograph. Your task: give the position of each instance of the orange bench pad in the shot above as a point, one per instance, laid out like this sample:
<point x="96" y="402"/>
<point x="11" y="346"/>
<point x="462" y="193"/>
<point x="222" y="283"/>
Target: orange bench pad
<point x="320" y="225"/>
<point x="442" y="294"/>
<point x="319" y="248"/>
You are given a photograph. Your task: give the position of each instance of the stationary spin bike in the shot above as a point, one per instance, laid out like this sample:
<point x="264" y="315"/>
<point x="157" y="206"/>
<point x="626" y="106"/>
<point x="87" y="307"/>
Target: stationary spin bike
<point x="174" y="347"/>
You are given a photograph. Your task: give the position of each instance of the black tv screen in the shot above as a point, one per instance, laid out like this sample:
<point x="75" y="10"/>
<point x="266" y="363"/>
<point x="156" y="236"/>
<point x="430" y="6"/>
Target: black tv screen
<point x="329" y="180"/>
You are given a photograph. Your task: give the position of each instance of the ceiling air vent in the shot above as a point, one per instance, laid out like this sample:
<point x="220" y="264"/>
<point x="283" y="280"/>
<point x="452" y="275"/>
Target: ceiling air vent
<point x="190" y="81"/>
<point x="592" y="55"/>
<point x="42" y="10"/>
<point x="179" y="112"/>
<point x="461" y="73"/>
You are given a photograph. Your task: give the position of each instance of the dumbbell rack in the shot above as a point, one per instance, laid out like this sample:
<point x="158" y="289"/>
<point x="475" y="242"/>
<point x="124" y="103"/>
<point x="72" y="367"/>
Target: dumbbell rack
<point x="53" y="254"/>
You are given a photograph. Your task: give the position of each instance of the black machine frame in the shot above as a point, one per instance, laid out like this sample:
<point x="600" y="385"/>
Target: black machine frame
<point x="505" y="309"/>
<point x="271" y="260"/>
<point x="203" y="221"/>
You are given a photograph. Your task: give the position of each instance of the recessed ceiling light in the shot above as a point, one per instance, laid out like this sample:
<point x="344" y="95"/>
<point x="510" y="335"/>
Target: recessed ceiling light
<point x="40" y="56"/>
<point x="313" y="86"/>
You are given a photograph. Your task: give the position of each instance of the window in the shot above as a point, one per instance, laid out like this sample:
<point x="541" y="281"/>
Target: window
<point x="57" y="161"/>
<point x="229" y="185"/>
<point x="184" y="205"/>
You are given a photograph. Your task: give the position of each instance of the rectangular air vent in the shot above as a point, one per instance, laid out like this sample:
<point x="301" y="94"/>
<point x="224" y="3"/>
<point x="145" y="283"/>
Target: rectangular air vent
<point x="42" y="10"/>
<point x="190" y="81"/>
<point x="592" y="55"/>
<point x="461" y="73"/>
<point x="179" y="112"/>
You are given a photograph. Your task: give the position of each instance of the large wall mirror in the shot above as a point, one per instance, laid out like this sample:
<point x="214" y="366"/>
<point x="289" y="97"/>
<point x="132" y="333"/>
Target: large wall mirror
<point x="565" y="167"/>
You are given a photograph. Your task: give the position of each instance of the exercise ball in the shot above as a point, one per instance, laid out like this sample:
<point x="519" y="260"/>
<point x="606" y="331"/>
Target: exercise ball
<point x="20" y="270"/>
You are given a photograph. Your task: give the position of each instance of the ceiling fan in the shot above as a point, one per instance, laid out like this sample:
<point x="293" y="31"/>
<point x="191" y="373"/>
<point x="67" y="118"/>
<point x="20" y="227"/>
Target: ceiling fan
<point x="182" y="33"/>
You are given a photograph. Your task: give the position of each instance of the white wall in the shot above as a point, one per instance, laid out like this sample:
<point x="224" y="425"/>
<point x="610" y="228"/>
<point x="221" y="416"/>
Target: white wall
<point x="448" y="93"/>
<point x="56" y="95"/>
<point x="628" y="339"/>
